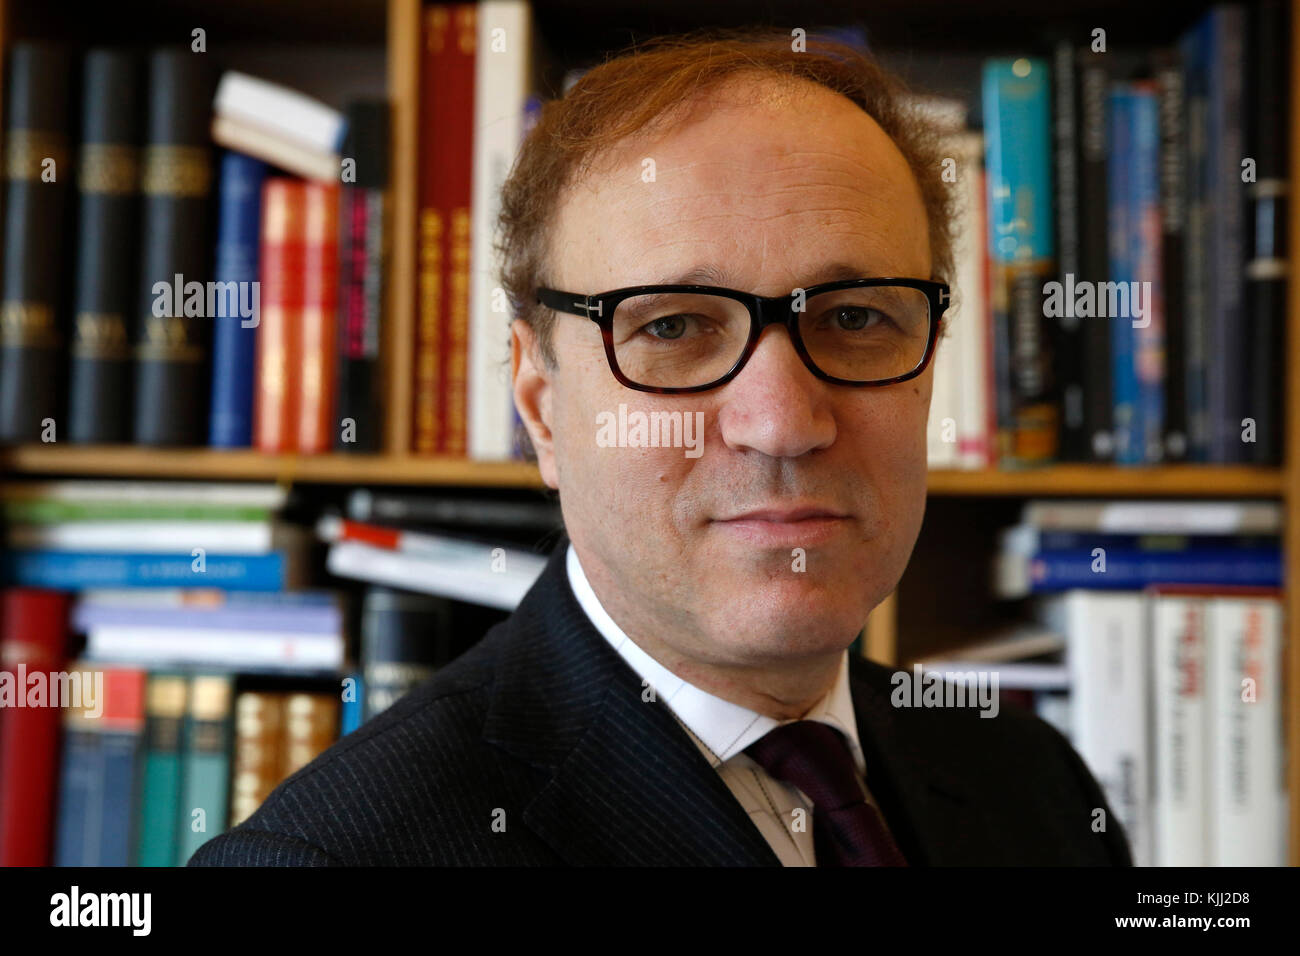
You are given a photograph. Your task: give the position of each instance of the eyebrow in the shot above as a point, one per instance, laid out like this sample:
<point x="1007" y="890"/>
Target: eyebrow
<point x="709" y="274"/>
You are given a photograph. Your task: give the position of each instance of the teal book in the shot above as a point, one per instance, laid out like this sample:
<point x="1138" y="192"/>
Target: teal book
<point x="205" y="764"/>
<point x="160" y="785"/>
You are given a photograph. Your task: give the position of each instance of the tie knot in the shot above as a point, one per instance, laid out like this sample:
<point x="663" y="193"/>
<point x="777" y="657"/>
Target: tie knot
<point x="815" y="758"/>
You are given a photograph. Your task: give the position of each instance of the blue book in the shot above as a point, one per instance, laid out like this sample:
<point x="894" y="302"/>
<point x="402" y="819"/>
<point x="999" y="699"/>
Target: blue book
<point x="76" y="571"/>
<point x="1194" y="50"/>
<point x="81" y="783"/>
<point x="1144" y="268"/>
<point x="350" y="716"/>
<point x="1123" y="381"/>
<point x="1051" y="571"/>
<point x="239" y="208"/>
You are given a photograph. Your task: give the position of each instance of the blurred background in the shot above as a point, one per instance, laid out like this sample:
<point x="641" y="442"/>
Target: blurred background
<point x="262" y="472"/>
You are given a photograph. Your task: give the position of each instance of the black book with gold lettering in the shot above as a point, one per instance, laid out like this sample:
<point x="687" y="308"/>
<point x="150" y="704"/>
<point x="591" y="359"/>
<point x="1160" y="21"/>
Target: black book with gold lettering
<point x="108" y="190"/>
<point x="38" y="171"/>
<point x="173" y="330"/>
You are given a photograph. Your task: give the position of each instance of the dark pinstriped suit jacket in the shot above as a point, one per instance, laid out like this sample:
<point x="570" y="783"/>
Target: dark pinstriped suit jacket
<point x="542" y="730"/>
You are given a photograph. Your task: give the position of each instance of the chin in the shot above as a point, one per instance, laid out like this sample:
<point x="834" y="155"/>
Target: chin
<point x="790" y="619"/>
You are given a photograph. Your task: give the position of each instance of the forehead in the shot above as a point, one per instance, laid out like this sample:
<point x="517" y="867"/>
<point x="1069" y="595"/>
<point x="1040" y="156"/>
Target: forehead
<point x="763" y="186"/>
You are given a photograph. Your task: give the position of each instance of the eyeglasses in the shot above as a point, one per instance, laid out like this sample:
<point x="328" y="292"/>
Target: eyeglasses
<point x="673" y="339"/>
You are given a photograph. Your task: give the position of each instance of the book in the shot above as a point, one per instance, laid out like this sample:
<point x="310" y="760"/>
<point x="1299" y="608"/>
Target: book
<point x="1107" y="661"/>
<point x="404" y="639"/>
<point x="98" y="786"/>
<point x="363" y="220"/>
<point x="278" y="125"/>
<point x="173" y="335"/>
<point x="205" y="763"/>
<point x="135" y="536"/>
<point x="1170" y="78"/>
<point x="38" y="165"/>
<point x="1017" y="137"/>
<point x="108" y="199"/>
<point x="1178" y="728"/>
<point x="282" y="267"/>
<point x="311" y="724"/>
<point x="234" y="335"/>
<point x="1115" y="569"/>
<point x="258" y="751"/>
<point x="166" y="700"/>
<point x="1156" y="517"/>
<point x="1247" y="807"/>
<point x="317" y="339"/>
<point x="502" y="81"/>
<point x="76" y="570"/>
<point x="161" y="493"/>
<point x="249" y="649"/>
<point x="1069" y="332"/>
<point x="34" y="624"/>
<point x="445" y="195"/>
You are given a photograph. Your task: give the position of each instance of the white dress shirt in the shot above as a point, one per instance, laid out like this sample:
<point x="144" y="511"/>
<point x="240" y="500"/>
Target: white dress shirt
<point x="722" y="730"/>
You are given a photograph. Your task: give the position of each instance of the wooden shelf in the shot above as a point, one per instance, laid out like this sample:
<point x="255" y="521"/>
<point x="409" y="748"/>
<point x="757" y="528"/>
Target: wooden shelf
<point x="245" y="464"/>
<point x="211" y="464"/>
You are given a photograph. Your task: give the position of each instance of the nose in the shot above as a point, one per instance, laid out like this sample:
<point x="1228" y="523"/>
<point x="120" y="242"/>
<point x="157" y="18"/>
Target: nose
<point x="776" y="406"/>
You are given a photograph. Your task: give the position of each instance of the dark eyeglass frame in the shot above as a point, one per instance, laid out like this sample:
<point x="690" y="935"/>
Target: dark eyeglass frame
<point x="763" y="311"/>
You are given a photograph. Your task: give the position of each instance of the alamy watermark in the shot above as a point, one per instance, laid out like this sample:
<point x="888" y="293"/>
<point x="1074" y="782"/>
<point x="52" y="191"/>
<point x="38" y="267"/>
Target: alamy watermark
<point x="658" y="429"/>
<point x="1083" y="299"/>
<point x="934" y="688"/>
<point x="75" y="689"/>
<point x="208" y="300"/>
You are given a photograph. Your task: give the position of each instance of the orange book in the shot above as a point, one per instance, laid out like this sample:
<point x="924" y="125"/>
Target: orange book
<point x="282" y="267"/>
<point x="318" y="340"/>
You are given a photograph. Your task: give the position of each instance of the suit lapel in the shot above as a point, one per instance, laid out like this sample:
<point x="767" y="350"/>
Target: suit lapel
<point x="934" y="817"/>
<point x="626" y="784"/>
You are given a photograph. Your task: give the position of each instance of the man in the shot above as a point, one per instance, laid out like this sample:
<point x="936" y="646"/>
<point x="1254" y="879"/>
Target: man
<point x="676" y="688"/>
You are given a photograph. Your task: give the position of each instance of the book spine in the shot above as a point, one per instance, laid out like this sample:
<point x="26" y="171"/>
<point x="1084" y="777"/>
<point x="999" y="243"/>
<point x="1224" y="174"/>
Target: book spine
<point x="311" y="725"/>
<point x="57" y="512"/>
<point x="122" y="743"/>
<point x="1068" y="347"/>
<point x="1196" y="265"/>
<point x="1226" y="372"/>
<point x="1106" y="658"/>
<point x="35" y="641"/>
<point x="1094" y="253"/>
<point x="426" y="436"/>
<point x="234" y="336"/>
<point x="318" y="342"/>
<point x="1130" y="570"/>
<point x="80" y="791"/>
<point x="1178" y="730"/>
<point x="205" y="764"/>
<point x="456" y="192"/>
<point x="159" y="806"/>
<point x="1170" y="82"/>
<point x="1247" y="791"/>
<point x="283" y="263"/>
<point x="258" y="751"/>
<point x="1146" y="302"/>
<point x="501" y="90"/>
<point x="174" y="334"/>
<point x="363" y="221"/>
<point x="1017" y="110"/>
<point x="1124" y="388"/>
<point x="1268" y="96"/>
<point x="108" y="185"/>
<point x="38" y="168"/>
<point x="403" y="641"/>
<point x="74" y="571"/>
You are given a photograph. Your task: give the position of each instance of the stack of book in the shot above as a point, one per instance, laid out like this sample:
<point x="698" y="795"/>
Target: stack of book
<point x="1159" y="654"/>
<point x="1121" y="259"/>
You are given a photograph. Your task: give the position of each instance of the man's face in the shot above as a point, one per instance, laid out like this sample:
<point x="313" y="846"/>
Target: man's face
<point x="772" y="187"/>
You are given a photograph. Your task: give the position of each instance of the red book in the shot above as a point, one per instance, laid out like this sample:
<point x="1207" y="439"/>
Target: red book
<point x="318" y="339"/>
<point x="445" y="189"/>
<point x="33" y="642"/>
<point x="283" y="264"/>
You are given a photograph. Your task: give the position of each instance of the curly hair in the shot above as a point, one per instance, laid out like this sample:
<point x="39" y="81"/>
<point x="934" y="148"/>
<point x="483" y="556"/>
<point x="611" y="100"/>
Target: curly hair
<point x="648" y="87"/>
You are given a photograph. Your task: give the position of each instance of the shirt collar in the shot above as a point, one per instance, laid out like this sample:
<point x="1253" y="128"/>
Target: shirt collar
<point x="721" y="728"/>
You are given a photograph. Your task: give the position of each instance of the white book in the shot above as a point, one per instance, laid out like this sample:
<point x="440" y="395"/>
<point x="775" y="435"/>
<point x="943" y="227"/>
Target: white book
<point x="1178" y="731"/>
<point x="1012" y="675"/>
<point x="1247" y="806"/>
<point x="503" y="73"/>
<point x="152" y="492"/>
<point x="1156" y="517"/>
<point x="478" y="573"/>
<point x="941" y="427"/>
<point x="1106" y="657"/>
<point x="151" y="537"/>
<point x="286" y="113"/>
<point x="158" y="647"/>
<point x="968" y="317"/>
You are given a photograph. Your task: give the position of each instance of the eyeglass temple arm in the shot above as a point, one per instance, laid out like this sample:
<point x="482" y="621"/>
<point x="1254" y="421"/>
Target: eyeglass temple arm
<point x="571" y="303"/>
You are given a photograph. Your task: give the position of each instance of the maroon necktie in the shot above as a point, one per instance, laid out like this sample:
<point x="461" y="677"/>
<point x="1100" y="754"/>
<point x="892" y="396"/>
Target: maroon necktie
<point x="847" y="831"/>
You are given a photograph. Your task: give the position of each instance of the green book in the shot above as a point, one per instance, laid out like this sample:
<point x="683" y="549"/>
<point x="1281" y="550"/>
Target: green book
<point x="53" y="511"/>
<point x="205" y="764"/>
<point x="160" y="789"/>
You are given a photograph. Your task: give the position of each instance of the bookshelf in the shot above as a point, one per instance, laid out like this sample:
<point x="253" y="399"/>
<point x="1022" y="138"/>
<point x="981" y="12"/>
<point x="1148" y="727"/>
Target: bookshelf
<point x="391" y="30"/>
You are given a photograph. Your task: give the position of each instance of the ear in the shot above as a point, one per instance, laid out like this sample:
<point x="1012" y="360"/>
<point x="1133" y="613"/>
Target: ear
<point x="532" y="384"/>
